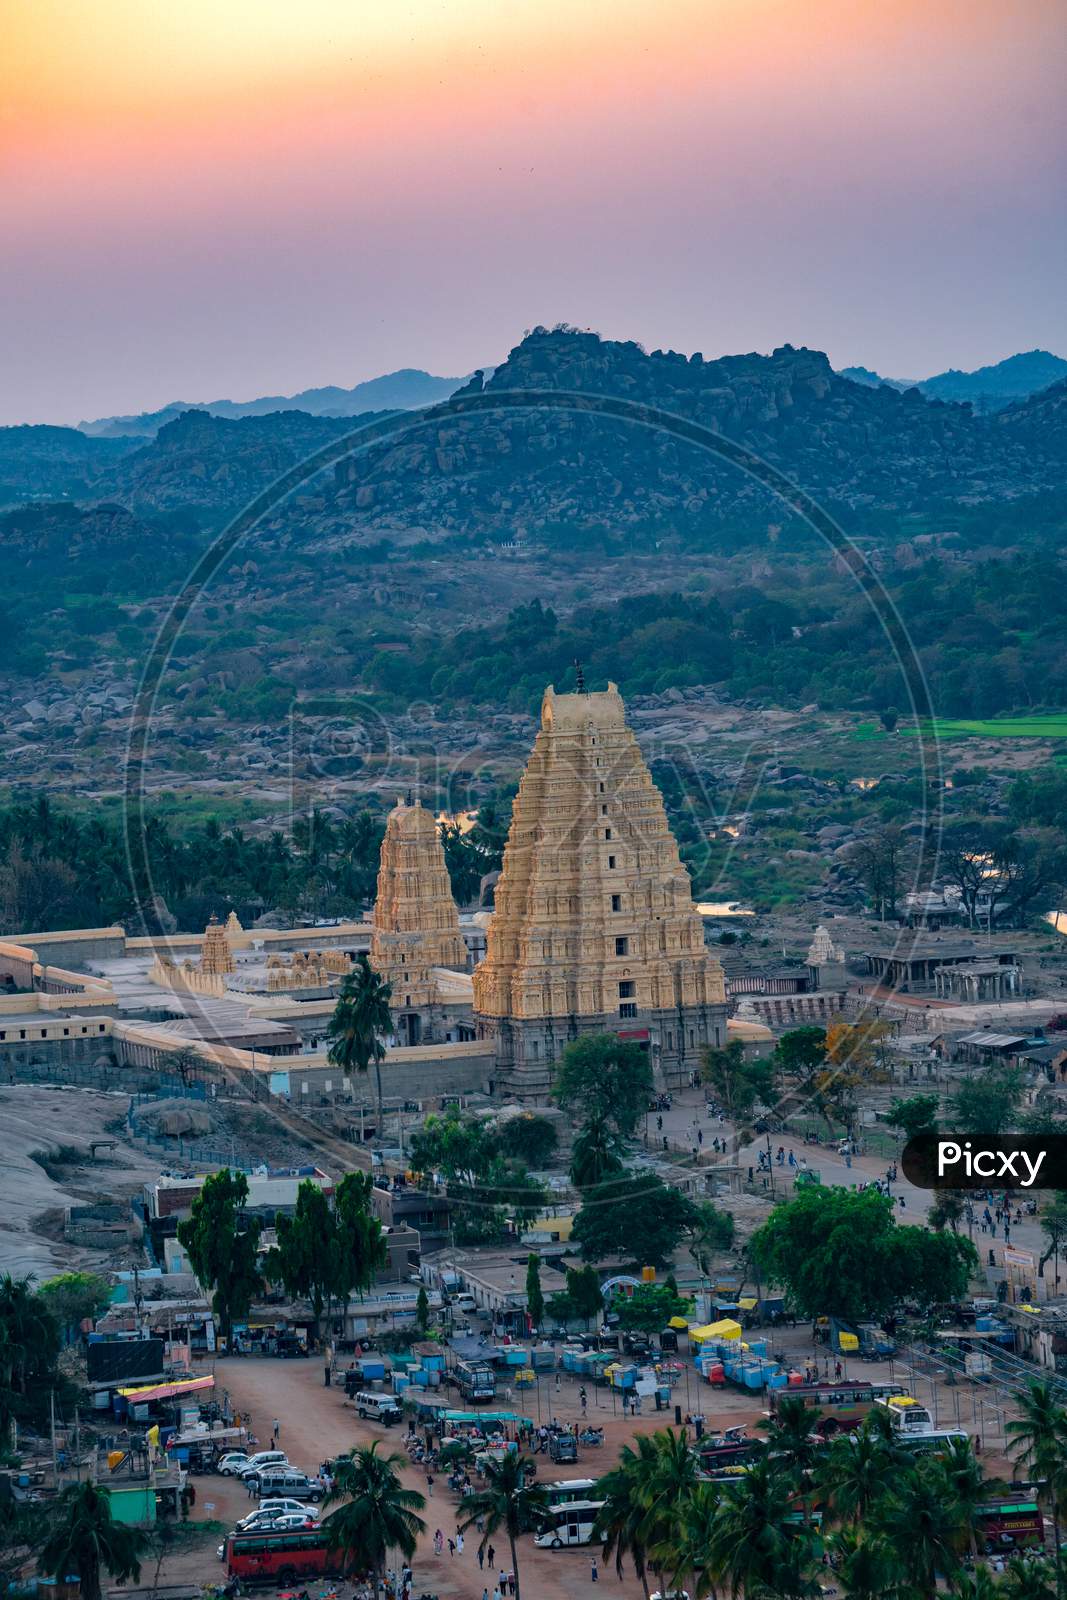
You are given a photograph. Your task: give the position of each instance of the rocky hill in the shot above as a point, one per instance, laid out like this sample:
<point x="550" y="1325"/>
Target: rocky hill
<point x="404" y="390"/>
<point x="53" y="463"/>
<point x="987" y="388"/>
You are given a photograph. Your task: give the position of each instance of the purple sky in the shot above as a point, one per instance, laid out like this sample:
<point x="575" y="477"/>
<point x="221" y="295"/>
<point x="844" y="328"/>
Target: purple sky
<point x="242" y="197"/>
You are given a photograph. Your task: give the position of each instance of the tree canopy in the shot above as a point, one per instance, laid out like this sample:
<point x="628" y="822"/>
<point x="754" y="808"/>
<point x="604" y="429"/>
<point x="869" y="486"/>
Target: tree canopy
<point x="604" y="1078"/>
<point x="223" y="1245"/>
<point x="636" y="1217"/>
<point x="841" y="1253"/>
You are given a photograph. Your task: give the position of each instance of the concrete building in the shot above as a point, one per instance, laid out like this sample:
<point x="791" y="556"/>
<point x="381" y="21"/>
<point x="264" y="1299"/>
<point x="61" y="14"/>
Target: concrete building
<point x="594" y="928"/>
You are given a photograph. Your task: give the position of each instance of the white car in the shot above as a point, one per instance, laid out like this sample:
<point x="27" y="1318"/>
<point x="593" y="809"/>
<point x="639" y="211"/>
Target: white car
<point x="274" y="1504"/>
<point x="261" y="1461"/>
<point x="232" y="1463"/>
<point x="272" y="1516"/>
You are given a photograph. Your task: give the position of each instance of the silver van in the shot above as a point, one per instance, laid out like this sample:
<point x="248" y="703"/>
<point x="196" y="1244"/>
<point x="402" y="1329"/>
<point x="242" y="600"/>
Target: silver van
<point x="287" y="1483"/>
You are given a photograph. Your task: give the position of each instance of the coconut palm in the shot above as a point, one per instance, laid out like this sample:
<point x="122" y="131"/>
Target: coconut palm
<point x="86" y="1539"/>
<point x="964" y="1472"/>
<point x="977" y="1585"/>
<point x="1032" y="1580"/>
<point x="509" y="1503"/>
<point x="693" y="1519"/>
<point x="854" y="1471"/>
<point x="671" y="1480"/>
<point x="866" y="1566"/>
<point x="791" y="1437"/>
<point x="621" y="1517"/>
<point x="378" y="1513"/>
<point x="754" y="1542"/>
<point x="923" y="1521"/>
<point x="1039" y="1442"/>
<point x="360" y="1021"/>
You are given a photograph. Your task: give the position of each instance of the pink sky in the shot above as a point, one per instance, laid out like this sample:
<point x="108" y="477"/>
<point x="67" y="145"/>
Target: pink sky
<point x="239" y="197"/>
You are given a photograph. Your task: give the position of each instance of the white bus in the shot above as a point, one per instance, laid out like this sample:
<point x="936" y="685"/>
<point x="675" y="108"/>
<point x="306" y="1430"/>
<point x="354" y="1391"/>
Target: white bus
<point x="568" y="1524"/>
<point x="565" y="1490"/>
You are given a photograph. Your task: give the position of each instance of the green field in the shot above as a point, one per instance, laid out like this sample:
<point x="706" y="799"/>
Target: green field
<point x="1050" y="726"/>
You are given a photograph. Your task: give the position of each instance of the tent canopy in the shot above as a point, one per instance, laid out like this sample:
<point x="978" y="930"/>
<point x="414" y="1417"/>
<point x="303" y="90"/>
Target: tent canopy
<point x="726" y="1328"/>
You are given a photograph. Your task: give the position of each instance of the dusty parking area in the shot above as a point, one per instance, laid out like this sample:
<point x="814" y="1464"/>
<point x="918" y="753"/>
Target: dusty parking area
<point x="315" y="1423"/>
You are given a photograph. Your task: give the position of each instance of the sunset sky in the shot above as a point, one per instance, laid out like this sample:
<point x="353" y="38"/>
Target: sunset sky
<point x="211" y="198"/>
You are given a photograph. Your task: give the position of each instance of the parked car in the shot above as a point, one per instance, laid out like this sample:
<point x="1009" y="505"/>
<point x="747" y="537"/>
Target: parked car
<point x="233" y="1463"/>
<point x="263" y="1458"/>
<point x="273" y="1507"/>
<point x="287" y="1482"/>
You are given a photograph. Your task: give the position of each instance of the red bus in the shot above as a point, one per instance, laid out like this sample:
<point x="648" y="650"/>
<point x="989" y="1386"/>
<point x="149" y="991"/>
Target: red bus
<point x="843" y="1404"/>
<point x="1010" y="1525"/>
<point x="280" y="1556"/>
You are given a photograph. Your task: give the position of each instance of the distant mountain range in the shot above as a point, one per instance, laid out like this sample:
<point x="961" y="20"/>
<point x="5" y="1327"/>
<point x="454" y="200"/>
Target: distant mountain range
<point x="404" y="390"/>
<point x="987" y="388"/>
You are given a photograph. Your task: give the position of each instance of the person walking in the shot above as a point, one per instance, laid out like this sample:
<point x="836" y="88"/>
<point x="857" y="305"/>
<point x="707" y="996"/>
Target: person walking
<point x="481" y="1563"/>
<point x="459" y="1544"/>
<point x="451" y="1547"/>
<point x="594" y="1575"/>
<point x="438" y="1543"/>
<point x="275" y="1430"/>
<point x="429" y="1484"/>
<point x="490" y="1556"/>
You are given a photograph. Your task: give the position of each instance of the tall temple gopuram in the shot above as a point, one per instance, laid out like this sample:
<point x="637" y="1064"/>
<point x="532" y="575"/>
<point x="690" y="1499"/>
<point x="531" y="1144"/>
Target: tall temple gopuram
<point x="415" y="924"/>
<point x="594" y="928"/>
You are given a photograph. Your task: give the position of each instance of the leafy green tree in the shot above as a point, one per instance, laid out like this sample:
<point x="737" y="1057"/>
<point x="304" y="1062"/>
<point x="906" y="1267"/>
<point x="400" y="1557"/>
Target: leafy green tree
<point x="535" y="1300"/>
<point x="422" y="1310"/>
<point x="801" y="1051"/>
<point x="360" y="1023"/>
<point x="604" y="1077"/>
<point x="1054" y="1227"/>
<point x="651" y="1307"/>
<point x="948" y="1209"/>
<point x="528" y="1138"/>
<point x="596" y="1153"/>
<point x="304" y="1259"/>
<point x="712" y="1233"/>
<point x="638" y="1218"/>
<point x="376" y="1512"/>
<point x="842" y="1253"/>
<point x="75" y="1297"/>
<point x="790" y="1435"/>
<point x="738" y="1083"/>
<point x="509" y="1503"/>
<point x="917" y="1114"/>
<point x="29" y="1346"/>
<point x="86" y="1539"/>
<point x="360" y="1250"/>
<point x="986" y="1104"/>
<point x="584" y="1293"/>
<point x="223" y="1246"/>
<point x="460" y="1148"/>
<point x="506" y="1196"/>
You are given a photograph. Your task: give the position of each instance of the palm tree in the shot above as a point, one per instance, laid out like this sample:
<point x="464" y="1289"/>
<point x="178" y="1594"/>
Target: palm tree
<point x="621" y="1517"/>
<point x="753" y="1543"/>
<point x="29" y="1344"/>
<point x="378" y="1515"/>
<point x="86" y="1539"/>
<point x="689" y="1552"/>
<point x="1032" y="1580"/>
<point x="668" y="1482"/>
<point x="791" y="1435"/>
<point x="854" y="1471"/>
<point x="509" y="1501"/>
<point x="360" y="1021"/>
<point x="923" y="1521"/>
<point x="1039" y="1441"/>
<point x="964" y="1472"/>
<point x="596" y="1153"/>
<point x="866" y="1566"/>
<point x="977" y="1585"/>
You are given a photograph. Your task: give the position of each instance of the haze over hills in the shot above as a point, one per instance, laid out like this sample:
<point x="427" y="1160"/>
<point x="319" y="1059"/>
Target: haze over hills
<point x="987" y="388"/>
<point x="403" y="390"/>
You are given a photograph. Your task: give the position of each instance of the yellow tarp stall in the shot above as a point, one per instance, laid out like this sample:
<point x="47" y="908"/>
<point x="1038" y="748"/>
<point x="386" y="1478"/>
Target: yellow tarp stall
<point x="727" y="1328"/>
<point x="848" y="1341"/>
<point x="679" y="1324"/>
<point x="748" y="1302"/>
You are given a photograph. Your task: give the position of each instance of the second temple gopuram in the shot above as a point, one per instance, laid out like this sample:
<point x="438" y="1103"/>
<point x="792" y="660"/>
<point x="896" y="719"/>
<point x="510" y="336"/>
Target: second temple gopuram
<point x="594" y="927"/>
<point x="416" y="924"/>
